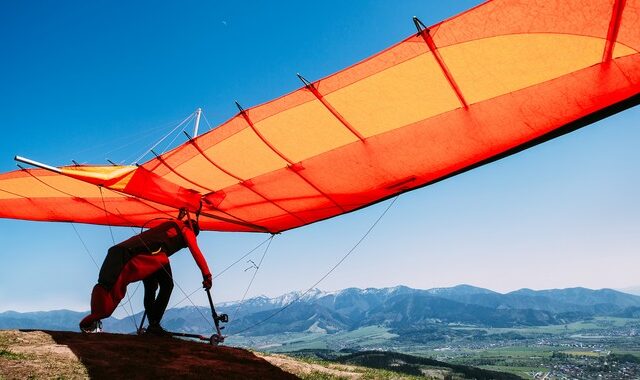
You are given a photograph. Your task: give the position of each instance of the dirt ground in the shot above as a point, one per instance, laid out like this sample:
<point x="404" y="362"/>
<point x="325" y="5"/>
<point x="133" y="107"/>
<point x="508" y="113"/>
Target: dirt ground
<point x="54" y="354"/>
<point x="37" y="355"/>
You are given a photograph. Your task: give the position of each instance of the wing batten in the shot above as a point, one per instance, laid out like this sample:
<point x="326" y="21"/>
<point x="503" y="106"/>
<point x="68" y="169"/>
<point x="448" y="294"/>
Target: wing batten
<point x="614" y="27"/>
<point x="12" y="193"/>
<point x="266" y="142"/>
<point x="175" y="171"/>
<point x="425" y="33"/>
<point x="309" y="86"/>
<point x="203" y="154"/>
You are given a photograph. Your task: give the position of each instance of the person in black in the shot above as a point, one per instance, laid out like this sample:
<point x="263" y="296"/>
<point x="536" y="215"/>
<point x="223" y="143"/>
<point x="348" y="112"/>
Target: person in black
<point x="144" y="257"/>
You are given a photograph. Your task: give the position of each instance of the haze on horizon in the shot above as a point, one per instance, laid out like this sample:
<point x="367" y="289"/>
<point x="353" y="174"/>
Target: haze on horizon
<point x="95" y="81"/>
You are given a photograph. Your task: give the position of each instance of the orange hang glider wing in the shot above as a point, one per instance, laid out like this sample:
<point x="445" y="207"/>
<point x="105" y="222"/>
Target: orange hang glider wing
<point x="487" y="83"/>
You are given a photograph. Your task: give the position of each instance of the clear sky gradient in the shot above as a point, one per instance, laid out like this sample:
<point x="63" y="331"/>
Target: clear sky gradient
<point x="94" y="80"/>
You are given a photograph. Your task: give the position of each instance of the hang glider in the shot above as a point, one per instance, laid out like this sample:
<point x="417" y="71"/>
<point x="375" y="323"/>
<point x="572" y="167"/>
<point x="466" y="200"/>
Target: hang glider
<point x="492" y="81"/>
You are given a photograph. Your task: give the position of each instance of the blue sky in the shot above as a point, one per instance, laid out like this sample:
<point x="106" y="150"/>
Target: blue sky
<point x="94" y="80"/>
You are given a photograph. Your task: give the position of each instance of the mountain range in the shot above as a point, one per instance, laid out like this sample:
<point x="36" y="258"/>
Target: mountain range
<point x="401" y="309"/>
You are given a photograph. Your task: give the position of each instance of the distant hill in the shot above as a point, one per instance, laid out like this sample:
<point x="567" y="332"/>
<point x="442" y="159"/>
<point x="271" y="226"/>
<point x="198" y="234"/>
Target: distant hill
<point x="571" y="300"/>
<point x="47" y="320"/>
<point x="635" y="290"/>
<point x="414" y="365"/>
<point x="399" y="308"/>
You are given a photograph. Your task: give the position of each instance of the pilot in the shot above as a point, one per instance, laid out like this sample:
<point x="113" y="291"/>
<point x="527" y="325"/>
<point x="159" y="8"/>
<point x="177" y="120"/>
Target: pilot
<point x="144" y="257"/>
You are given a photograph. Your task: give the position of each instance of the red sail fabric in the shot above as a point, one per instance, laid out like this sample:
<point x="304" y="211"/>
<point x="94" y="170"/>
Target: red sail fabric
<point x="489" y="82"/>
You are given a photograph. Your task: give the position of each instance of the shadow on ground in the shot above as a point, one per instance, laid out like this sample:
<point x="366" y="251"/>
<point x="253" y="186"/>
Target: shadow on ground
<point x="110" y="356"/>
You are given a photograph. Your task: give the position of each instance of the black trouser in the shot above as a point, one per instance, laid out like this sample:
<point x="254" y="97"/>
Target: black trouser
<point x="155" y="306"/>
<point x="117" y="257"/>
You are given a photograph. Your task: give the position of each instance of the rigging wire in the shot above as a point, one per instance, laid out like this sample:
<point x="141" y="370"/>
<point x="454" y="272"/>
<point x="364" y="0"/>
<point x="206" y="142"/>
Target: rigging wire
<point x="245" y="255"/>
<point x="207" y="121"/>
<point x="254" y="275"/>
<point x="113" y="240"/>
<point x="175" y="137"/>
<point x="106" y="214"/>
<point x="188" y="297"/>
<point x="296" y="299"/>
<point x="224" y="270"/>
<point x="129" y="139"/>
<point x="84" y="245"/>
<point x="187" y="119"/>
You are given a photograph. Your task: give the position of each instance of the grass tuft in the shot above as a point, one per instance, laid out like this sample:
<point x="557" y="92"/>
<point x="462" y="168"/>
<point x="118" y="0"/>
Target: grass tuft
<point x="11" y="355"/>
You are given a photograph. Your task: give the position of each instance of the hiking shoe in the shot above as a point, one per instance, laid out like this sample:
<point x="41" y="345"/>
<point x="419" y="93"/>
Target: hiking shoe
<point x="157" y="330"/>
<point x="95" y="327"/>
